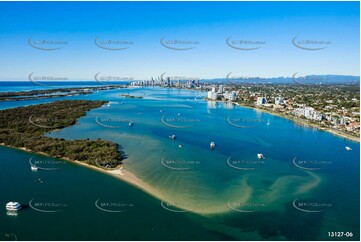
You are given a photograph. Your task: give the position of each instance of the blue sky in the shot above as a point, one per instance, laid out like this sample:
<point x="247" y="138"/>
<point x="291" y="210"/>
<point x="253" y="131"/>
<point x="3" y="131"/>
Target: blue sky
<point x="207" y="23"/>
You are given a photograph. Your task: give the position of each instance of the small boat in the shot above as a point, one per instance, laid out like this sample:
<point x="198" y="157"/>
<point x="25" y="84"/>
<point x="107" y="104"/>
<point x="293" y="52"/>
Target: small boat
<point x="131" y="124"/>
<point x="108" y="105"/>
<point x="180" y="146"/>
<point x="268" y="123"/>
<point x="260" y="156"/>
<point x="13" y="206"/>
<point x="172" y="136"/>
<point x="179" y="114"/>
<point x="140" y="113"/>
<point x="34" y="168"/>
<point x="212" y="145"/>
<point x="348" y="148"/>
<point x="161" y="110"/>
<point x="121" y="103"/>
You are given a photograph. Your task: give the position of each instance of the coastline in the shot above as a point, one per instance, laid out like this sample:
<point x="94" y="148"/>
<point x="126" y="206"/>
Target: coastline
<point x="53" y="93"/>
<point x="118" y="173"/>
<point x="302" y="122"/>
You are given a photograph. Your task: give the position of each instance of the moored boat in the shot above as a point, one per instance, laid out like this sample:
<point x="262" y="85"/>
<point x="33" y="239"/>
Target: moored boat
<point x="260" y="156"/>
<point x="34" y="168"/>
<point x="13" y="206"/>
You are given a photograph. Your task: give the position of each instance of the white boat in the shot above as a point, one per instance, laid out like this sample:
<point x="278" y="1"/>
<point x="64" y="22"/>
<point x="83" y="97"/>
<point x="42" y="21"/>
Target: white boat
<point x="180" y="146"/>
<point x="13" y="206"/>
<point x="260" y="156"/>
<point x="34" y="168"/>
<point x="212" y="145"/>
<point x="268" y="123"/>
<point x="348" y="148"/>
<point x="172" y="136"/>
<point x="179" y="114"/>
<point x="131" y="123"/>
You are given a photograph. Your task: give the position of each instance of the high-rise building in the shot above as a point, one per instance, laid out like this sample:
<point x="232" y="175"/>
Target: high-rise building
<point x="261" y="100"/>
<point x="309" y="112"/>
<point x="233" y="96"/>
<point x="279" y="101"/>
<point x="214" y="96"/>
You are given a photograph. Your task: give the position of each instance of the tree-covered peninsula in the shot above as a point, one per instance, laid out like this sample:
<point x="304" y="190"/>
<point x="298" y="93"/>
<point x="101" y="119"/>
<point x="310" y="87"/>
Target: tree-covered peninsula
<point x="24" y="127"/>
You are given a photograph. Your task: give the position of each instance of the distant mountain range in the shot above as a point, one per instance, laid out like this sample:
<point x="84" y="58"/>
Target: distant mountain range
<point x="295" y="78"/>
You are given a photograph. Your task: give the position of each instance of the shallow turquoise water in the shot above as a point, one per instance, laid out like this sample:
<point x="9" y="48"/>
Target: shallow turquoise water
<point x="232" y="194"/>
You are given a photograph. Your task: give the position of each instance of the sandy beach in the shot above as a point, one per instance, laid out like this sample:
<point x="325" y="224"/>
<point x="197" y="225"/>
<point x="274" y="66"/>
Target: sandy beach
<point x="130" y="178"/>
<point x="119" y="173"/>
<point x="125" y="176"/>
